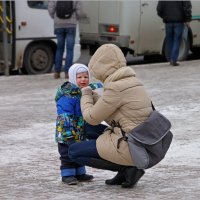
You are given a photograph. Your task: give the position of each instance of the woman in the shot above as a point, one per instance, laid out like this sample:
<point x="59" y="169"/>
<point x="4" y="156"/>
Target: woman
<point x="124" y="104"/>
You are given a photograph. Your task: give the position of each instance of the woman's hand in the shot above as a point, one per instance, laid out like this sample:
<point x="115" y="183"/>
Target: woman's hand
<point x="86" y="90"/>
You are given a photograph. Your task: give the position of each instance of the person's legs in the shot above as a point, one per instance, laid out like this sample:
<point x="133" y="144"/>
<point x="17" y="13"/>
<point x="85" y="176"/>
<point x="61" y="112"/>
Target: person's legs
<point x="67" y="167"/>
<point x="81" y="152"/>
<point x="71" y="171"/>
<point x="169" y="39"/>
<point x="70" y="42"/>
<point x="178" y="31"/>
<point x="93" y="132"/>
<point x="85" y="153"/>
<point x="60" y="33"/>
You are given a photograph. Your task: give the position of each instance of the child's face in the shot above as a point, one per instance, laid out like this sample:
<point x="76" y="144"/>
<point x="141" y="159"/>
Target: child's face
<point x="82" y="79"/>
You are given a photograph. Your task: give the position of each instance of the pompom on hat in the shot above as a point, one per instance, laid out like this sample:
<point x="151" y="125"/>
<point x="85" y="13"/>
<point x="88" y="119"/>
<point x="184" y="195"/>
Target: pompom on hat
<point x="76" y="69"/>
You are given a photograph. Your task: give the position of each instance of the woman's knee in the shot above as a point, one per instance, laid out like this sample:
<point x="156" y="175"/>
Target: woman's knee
<point x="83" y="149"/>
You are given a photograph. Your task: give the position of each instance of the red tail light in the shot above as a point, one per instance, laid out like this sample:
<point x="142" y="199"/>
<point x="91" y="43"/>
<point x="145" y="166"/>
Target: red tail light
<point x="112" y="29"/>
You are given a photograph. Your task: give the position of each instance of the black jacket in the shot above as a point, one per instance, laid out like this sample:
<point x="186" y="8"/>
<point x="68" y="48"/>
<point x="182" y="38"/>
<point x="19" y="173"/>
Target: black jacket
<point x="174" y="11"/>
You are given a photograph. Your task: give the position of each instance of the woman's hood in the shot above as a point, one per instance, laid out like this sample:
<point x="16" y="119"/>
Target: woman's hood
<point x="107" y="59"/>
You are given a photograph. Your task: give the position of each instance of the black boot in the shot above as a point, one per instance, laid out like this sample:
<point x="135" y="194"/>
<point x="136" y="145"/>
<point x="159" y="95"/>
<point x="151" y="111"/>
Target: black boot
<point x="117" y="180"/>
<point x="132" y="175"/>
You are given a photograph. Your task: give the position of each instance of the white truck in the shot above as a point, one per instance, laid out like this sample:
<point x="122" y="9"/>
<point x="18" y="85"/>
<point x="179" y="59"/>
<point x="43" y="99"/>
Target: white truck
<point x="134" y="26"/>
<point x="31" y="41"/>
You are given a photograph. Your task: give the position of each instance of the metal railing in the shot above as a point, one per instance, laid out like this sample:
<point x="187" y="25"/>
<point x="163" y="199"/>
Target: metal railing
<point x="5" y="21"/>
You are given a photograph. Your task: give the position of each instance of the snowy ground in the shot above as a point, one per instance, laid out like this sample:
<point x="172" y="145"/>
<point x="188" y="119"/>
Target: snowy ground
<point x="29" y="162"/>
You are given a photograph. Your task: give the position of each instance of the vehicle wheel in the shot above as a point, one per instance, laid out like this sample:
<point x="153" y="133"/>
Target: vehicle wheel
<point x="183" y="50"/>
<point x="38" y="59"/>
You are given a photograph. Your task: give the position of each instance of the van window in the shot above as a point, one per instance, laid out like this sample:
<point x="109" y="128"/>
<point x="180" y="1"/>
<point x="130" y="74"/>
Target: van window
<point x="38" y="4"/>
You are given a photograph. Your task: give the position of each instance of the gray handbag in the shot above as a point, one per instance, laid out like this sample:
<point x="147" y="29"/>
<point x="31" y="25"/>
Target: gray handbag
<point x="150" y="141"/>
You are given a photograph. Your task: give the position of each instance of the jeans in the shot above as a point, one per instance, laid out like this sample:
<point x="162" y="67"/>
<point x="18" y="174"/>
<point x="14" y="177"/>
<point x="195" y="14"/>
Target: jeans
<point x="174" y="33"/>
<point x="85" y="153"/>
<point x="93" y="132"/>
<point x="82" y="152"/>
<point x="65" y="35"/>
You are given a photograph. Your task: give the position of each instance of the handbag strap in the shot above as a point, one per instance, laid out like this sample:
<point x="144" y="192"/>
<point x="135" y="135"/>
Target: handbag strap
<point x="124" y="137"/>
<point x="152" y="106"/>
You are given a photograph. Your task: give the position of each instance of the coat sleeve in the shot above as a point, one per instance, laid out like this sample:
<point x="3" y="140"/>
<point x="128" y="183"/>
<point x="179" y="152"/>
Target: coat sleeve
<point x="95" y="113"/>
<point x="51" y="8"/>
<point x="96" y="96"/>
<point x="187" y="9"/>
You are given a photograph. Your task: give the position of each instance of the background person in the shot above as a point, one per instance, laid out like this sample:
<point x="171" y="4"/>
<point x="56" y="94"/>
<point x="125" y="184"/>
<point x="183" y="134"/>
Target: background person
<point x="124" y="104"/>
<point x="174" y="14"/>
<point x="65" y="30"/>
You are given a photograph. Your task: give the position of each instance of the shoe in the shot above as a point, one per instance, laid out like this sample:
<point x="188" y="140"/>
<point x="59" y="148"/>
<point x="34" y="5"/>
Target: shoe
<point x="70" y="180"/>
<point x="173" y="63"/>
<point x="56" y="75"/>
<point x="132" y="176"/>
<point x="117" y="180"/>
<point x="84" y="177"/>
<point x="66" y="75"/>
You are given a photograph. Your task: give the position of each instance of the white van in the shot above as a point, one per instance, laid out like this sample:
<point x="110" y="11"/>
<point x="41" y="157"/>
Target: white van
<point x="31" y="40"/>
<point x="134" y="26"/>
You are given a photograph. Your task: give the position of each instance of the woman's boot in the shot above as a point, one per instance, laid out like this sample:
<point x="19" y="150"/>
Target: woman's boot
<point x="117" y="180"/>
<point x="132" y="176"/>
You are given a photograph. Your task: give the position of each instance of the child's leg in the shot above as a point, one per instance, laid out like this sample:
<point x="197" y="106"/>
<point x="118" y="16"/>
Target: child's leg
<point x="67" y="167"/>
<point x="71" y="171"/>
<point x="81" y="174"/>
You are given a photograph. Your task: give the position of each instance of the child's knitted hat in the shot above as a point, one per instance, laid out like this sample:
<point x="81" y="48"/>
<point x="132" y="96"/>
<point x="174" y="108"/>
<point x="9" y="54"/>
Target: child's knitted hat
<point x="76" y="69"/>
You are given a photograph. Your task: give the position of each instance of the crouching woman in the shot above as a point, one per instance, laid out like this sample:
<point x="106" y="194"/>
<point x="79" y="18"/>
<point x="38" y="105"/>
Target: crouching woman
<point x="124" y="104"/>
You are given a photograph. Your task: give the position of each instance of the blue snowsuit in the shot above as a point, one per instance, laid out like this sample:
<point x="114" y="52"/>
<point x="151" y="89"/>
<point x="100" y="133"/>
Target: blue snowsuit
<point x="69" y="126"/>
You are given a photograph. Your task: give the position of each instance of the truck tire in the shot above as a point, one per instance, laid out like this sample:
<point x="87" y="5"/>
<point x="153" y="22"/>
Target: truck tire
<point x="38" y="59"/>
<point x="183" y="50"/>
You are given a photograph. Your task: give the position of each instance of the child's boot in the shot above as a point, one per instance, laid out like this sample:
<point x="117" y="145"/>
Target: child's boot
<point x="70" y="180"/>
<point x="84" y="177"/>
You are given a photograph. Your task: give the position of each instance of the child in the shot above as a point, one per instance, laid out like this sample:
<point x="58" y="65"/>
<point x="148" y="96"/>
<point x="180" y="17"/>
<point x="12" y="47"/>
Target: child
<point x="70" y="123"/>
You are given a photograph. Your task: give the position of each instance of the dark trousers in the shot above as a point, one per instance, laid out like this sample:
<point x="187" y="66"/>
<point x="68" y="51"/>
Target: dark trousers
<point x="64" y="158"/>
<point x="93" y="132"/>
<point x="86" y="153"/>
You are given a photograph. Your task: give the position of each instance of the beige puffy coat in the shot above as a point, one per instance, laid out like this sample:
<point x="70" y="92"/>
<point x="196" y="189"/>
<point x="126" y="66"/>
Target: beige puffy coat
<point x="124" y="100"/>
